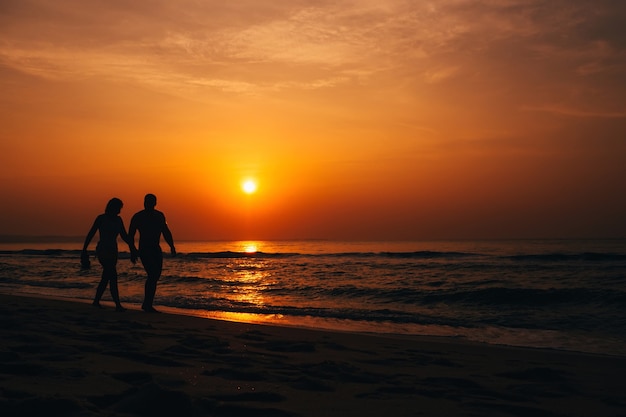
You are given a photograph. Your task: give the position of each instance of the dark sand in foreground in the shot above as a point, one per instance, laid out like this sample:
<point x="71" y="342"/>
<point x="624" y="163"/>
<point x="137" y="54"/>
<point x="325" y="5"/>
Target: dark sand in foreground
<point x="70" y="359"/>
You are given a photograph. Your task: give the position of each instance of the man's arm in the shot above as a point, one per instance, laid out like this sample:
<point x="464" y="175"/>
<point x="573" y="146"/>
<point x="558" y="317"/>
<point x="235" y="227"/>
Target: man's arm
<point x="132" y="229"/>
<point x="167" y="235"/>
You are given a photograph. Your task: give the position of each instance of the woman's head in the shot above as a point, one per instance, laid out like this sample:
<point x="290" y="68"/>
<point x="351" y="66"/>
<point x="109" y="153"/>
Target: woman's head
<point x="114" y="206"/>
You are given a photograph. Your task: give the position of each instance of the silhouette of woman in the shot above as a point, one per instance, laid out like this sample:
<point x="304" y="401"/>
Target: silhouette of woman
<point x="110" y="225"/>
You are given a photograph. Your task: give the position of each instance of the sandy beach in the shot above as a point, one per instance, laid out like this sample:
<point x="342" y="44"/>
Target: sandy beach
<point x="71" y="359"/>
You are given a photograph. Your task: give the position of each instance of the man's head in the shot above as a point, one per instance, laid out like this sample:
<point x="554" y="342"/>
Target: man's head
<point x="149" y="201"/>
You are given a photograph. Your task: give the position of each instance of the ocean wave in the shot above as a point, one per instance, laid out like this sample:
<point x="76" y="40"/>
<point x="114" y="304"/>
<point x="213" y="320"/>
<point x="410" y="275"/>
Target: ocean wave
<point x="414" y="255"/>
<point x="259" y="254"/>
<point x="42" y="252"/>
<point x="499" y="297"/>
<point x="567" y="257"/>
<point x="529" y="297"/>
<point x="233" y="254"/>
<point x="373" y="315"/>
<point x="48" y="283"/>
<point x="55" y="253"/>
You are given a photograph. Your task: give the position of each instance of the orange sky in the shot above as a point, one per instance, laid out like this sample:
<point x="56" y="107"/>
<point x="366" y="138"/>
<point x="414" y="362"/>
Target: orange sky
<point x="362" y="119"/>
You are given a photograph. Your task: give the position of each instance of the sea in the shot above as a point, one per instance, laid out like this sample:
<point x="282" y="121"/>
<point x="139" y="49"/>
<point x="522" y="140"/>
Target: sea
<point x="556" y="294"/>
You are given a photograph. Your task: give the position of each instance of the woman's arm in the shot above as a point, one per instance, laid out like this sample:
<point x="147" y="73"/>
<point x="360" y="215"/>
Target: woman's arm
<point x="84" y="256"/>
<point x="91" y="233"/>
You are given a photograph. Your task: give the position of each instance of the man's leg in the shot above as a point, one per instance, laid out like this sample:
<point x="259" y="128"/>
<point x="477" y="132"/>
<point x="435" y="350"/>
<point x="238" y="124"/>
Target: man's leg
<point x="153" y="267"/>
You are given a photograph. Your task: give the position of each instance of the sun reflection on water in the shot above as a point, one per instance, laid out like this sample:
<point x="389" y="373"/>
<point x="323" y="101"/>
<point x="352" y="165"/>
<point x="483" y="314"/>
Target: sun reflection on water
<point x="250" y="247"/>
<point x="250" y="280"/>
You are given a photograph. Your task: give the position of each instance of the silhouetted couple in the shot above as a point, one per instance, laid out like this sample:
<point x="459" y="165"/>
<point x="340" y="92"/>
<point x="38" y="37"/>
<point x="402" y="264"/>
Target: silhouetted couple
<point x="151" y="225"/>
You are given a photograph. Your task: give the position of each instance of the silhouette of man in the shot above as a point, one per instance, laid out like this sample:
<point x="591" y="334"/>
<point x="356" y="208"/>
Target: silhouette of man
<point x="151" y="225"/>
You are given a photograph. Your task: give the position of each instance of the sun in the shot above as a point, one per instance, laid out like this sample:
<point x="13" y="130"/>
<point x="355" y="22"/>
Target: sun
<point x="249" y="186"/>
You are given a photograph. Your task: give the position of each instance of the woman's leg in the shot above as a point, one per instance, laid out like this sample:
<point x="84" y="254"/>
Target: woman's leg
<point x="114" y="290"/>
<point x="108" y="260"/>
<point x="101" y="287"/>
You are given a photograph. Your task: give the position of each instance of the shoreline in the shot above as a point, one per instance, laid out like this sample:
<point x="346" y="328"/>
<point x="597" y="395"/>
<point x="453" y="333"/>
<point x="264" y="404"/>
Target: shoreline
<point x="109" y="306"/>
<point x="508" y="338"/>
<point x="67" y="358"/>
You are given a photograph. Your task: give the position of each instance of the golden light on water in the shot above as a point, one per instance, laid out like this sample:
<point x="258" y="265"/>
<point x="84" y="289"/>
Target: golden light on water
<point x="244" y="317"/>
<point x="250" y="247"/>
<point x="252" y="279"/>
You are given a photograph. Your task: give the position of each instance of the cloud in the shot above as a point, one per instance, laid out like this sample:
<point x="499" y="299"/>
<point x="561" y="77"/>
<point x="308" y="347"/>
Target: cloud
<point x="575" y="112"/>
<point x="439" y="75"/>
<point x="253" y="47"/>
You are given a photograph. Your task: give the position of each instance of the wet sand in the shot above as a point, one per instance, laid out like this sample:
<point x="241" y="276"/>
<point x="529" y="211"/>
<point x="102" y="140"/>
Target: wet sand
<point x="71" y="359"/>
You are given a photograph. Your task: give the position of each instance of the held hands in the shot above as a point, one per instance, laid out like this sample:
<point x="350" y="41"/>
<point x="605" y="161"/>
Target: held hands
<point x="133" y="255"/>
